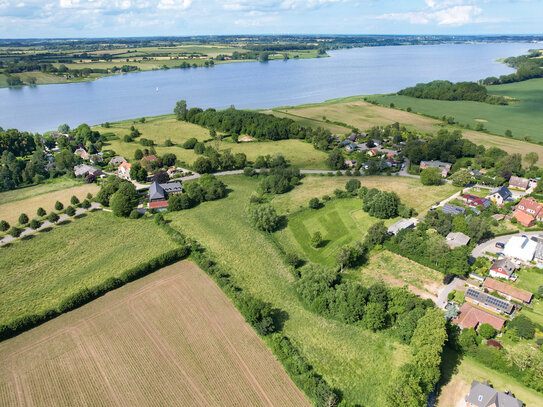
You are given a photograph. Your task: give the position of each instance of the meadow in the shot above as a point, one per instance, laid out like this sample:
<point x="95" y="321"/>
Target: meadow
<point x="522" y="116"/>
<point x="356" y="361"/>
<point x="39" y="271"/>
<point x="161" y="128"/>
<point x="28" y="200"/>
<point x="173" y="330"/>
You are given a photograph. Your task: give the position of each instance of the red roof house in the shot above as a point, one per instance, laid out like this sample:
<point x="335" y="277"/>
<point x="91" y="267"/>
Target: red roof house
<point x="508" y="291"/>
<point x="525" y="219"/>
<point x="470" y="316"/>
<point x="530" y="207"/>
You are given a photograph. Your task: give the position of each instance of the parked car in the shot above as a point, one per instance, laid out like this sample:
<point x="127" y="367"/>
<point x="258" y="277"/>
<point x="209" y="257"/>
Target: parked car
<point x="500" y="254"/>
<point x="500" y="245"/>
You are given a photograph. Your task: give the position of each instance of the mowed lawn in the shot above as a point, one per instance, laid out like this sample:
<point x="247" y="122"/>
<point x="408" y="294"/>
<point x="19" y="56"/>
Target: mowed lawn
<point x="523" y="118"/>
<point x="28" y="200"/>
<point x="169" y="339"/>
<point x="410" y="190"/>
<point x="161" y="128"/>
<point x="356" y="361"/>
<point x="457" y="387"/>
<point x="37" y="273"/>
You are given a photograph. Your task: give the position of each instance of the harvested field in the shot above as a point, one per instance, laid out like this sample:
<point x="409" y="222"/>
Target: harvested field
<point x="171" y="338"/>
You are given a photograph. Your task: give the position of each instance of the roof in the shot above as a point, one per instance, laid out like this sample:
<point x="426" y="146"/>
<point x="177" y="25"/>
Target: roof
<point x="117" y="160"/>
<point x="502" y="191"/>
<point x="489" y="300"/>
<point x="477" y="200"/>
<point x="498" y="216"/>
<point x="521" y="248"/>
<point x="437" y="164"/>
<point x="156" y="191"/>
<point x="172" y="187"/>
<point x="530" y="205"/>
<point x="401" y="224"/>
<point x="158" y="204"/>
<point x="83" y="169"/>
<point x="503" y="266"/>
<point x="452" y="209"/>
<point x="457" y="239"/>
<point x="518" y="182"/>
<point x="125" y="165"/>
<point x="524" y="218"/>
<point x="469" y="316"/>
<point x="482" y="395"/>
<point x="513" y="292"/>
<point x="149" y="158"/>
<point x="539" y="251"/>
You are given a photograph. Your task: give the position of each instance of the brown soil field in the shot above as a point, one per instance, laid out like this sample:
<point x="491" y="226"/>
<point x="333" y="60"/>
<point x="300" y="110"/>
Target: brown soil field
<point x="172" y="338"/>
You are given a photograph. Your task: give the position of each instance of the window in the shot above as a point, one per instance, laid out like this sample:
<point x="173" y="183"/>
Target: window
<point x="480" y="398"/>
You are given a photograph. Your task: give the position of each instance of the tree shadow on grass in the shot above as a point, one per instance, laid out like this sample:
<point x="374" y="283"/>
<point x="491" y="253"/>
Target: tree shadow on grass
<point x="64" y="222"/>
<point x="81" y="215"/>
<point x="450" y="361"/>
<point x="279" y="318"/>
<point x="47" y="229"/>
<point x="282" y="223"/>
<point x="6" y="245"/>
<point x="28" y="237"/>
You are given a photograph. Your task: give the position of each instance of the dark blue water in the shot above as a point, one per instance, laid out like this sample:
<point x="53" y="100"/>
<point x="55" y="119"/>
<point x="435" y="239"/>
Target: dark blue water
<point x="361" y="71"/>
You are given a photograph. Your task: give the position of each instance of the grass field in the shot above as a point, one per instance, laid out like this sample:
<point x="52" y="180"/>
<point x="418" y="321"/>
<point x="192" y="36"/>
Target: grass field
<point x="171" y="338"/>
<point x="28" y="200"/>
<point x="529" y="280"/>
<point x="161" y="128"/>
<point x="411" y="191"/>
<point x="54" y="263"/>
<point x="458" y="386"/>
<point x="24" y="193"/>
<point x="356" y="361"/>
<point x="523" y="118"/>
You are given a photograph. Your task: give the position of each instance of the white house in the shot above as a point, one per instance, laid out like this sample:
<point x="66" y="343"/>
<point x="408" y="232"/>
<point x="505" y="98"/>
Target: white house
<point x="521" y="248"/>
<point x="124" y="170"/>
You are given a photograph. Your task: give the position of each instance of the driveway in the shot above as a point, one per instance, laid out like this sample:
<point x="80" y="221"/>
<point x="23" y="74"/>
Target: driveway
<point x="490" y="245"/>
<point x="442" y="300"/>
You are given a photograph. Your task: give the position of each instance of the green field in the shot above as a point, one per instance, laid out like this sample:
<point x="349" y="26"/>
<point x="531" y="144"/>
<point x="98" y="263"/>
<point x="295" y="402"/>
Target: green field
<point x="161" y="128"/>
<point x="356" y="361"/>
<point x="37" y="273"/>
<point x="522" y="117"/>
<point x="57" y="184"/>
<point x="529" y="280"/>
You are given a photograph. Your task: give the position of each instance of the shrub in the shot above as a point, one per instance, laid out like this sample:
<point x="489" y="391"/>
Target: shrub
<point x="85" y="204"/>
<point x="316" y="239"/>
<point x="249" y="171"/>
<point x="314" y="203"/>
<point x="524" y="326"/>
<point x="59" y="206"/>
<point x="448" y="278"/>
<point x="292" y="259"/>
<point x="70" y="210"/>
<point x="41" y="212"/>
<point x="53" y="217"/>
<point x="178" y="202"/>
<point x="352" y="185"/>
<point x="15" y="231"/>
<point x="35" y="224"/>
<point x="263" y="217"/>
<point x="487" y="331"/>
<point x="4" y="226"/>
<point x="190" y="143"/>
<point x="74" y="200"/>
<point x="23" y="219"/>
<point x="492" y="342"/>
<point x="134" y="214"/>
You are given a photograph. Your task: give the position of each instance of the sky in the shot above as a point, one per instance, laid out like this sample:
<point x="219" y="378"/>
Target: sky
<point x="126" y="18"/>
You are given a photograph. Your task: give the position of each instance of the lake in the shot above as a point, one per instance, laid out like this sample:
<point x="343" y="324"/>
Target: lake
<point x="359" y="71"/>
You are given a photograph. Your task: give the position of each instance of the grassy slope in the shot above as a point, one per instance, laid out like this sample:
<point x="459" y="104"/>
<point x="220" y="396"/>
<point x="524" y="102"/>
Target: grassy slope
<point x="32" y="198"/>
<point x="354" y="360"/>
<point x="24" y="193"/>
<point x="39" y="272"/>
<point x="161" y="128"/>
<point x="523" y="118"/>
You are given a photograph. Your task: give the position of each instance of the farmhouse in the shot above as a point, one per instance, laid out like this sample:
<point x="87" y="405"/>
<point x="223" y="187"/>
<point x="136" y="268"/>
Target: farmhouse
<point x="482" y="395"/>
<point x="470" y="316"/>
<point x="521" y="248"/>
<point x="400" y="225"/>
<point x="500" y="195"/>
<point x="519" y="183"/>
<point x="457" y="239"/>
<point x="148" y="159"/>
<point x="83" y="170"/>
<point x="475" y="201"/>
<point x="524" y="219"/>
<point x="159" y="194"/>
<point x="124" y="170"/>
<point x="508" y="291"/>
<point x="117" y="160"/>
<point x="530" y="207"/>
<point x="373" y="152"/>
<point x="452" y="209"/>
<point x="444" y="167"/>
<point x="503" y="268"/>
<point x="488" y="301"/>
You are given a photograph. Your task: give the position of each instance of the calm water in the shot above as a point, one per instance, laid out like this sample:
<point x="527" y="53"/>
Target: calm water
<point x="361" y="71"/>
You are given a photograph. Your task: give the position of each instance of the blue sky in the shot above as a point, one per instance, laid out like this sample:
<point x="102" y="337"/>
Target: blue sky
<point x="98" y="18"/>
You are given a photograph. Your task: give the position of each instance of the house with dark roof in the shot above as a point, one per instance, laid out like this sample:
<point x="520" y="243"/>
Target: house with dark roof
<point x="519" y="183"/>
<point x="117" y="160"/>
<point x="488" y="301"/>
<point x="482" y="395"/>
<point x="160" y="193"/>
<point x="444" y="167"/>
<point x="83" y="170"/>
<point x="500" y="196"/>
<point x="452" y="209"/>
<point x="475" y="201"/>
<point x="400" y="225"/>
<point x="503" y="268"/>
<point x="457" y="239"/>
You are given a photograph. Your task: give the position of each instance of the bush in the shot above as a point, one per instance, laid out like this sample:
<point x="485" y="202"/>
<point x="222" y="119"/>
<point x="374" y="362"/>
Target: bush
<point x="85" y="204"/>
<point x="41" y="212"/>
<point x="70" y="211"/>
<point x="314" y="203"/>
<point x="178" y="202"/>
<point x="292" y="259"/>
<point x="249" y="171"/>
<point x="134" y="214"/>
<point x="524" y="326"/>
<point x="487" y="331"/>
<point x="316" y="239"/>
<point x="35" y="224"/>
<point x="352" y="185"/>
<point x="4" y="226"/>
<point x="263" y="217"/>
<point x="190" y="143"/>
<point x="74" y="200"/>
<point x="59" y="206"/>
<point x="53" y="217"/>
<point x="23" y="219"/>
<point x="430" y="176"/>
<point x="15" y="231"/>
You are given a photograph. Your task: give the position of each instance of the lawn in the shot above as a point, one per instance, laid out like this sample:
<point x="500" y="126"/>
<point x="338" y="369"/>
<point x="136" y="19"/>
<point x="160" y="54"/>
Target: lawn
<point x="529" y="280"/>
<point x="410" y="190"/>
<point x="459" y="380"/>
<point x="37" y="273"/>
<point x="356" y="361"/>
<point x="161" y="128"/>
<point x="523" y="118"/>
<point x="56" y="184"/>
<point x="173" y="330"/>
<point x="28" y="200"/>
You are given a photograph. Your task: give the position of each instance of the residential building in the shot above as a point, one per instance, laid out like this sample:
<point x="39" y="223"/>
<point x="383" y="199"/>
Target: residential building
<point x="373" y="152"/>
<point x="524" y="219"/>
<point x="520" y="247"/>
<point x="444" y="167"/>
<point x="488" y="301"/>
<point x="503" y="268"/>
<point x="351" y="147"/>
<point x="482" y="395"/>
<point x="159" y="194"/>
<point x="245" y="139"/>
<point x="124" y="170"/>
<point x="475" y="276"/>
<point x="508" y="291"/>
<point x="475" y="201"/>
<point x="498" y="216"/>
<point x="80" y="151"/>
<point x="500" y="196"/>
<point x="452" y="209"/>
<point x="117" y="160"/>
<point x="469" y="316"/>
<point x="538" y="255"/>
<point x="530" y="207"/>
<point x="148" y="159"/>
<point x="400" y="225"/>
<point x="351" y="163"/>
<point x="519" y="183"/>
<point x="457" y="239"/>
<point x="83" y="170"/>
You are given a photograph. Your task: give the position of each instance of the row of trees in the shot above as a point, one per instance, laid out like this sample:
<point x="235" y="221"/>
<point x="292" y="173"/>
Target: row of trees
<point x="446" y="90"/>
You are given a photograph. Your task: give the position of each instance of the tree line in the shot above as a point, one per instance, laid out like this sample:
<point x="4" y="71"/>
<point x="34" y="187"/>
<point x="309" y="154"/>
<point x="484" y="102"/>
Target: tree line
<point x="446" y="90"/>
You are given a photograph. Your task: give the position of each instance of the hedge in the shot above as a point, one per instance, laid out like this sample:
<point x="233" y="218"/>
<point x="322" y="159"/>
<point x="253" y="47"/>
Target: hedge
<point x="85" y="295"/>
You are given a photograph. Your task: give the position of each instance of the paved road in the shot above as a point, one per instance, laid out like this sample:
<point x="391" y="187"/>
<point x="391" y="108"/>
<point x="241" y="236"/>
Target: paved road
<point x="442" y="300"/>
<point x="490" y="245"/>
<point x="46" y="224"/>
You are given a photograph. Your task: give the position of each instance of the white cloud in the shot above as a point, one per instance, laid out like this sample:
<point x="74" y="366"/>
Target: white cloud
<point x="174" y="4"/>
